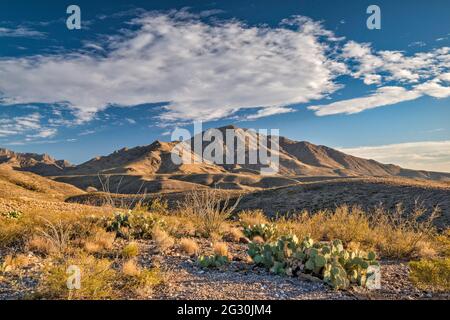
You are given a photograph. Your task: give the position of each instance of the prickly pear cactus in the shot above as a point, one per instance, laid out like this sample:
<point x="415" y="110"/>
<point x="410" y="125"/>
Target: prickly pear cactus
<point x="263" y="230"/>
<point x="214" y="261"/>
<point x="329" y="261"/>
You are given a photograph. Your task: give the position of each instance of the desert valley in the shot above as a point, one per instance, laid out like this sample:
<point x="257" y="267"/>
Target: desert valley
<point x="166" y="231"/>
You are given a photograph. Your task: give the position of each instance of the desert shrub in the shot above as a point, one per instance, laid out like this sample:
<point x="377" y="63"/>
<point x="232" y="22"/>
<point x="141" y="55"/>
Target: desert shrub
<point x="189" y="246"/>
<point x="162" y="239"/>
<point x="130" y="268"/>
<point x="442" y="243"/>
<point x="97" y="279"/>
<point x="393" y="234"/>
<point x="159" y="206"/>
<point x="131" y="250"/>
<point x="208" y="209"/>
<point x="41" y="245"/>
<point x="138" y="280"/>
<point x="304" y="224"/>
<point x="12" y="232"/>
<point x="347" y="224"/>
<point x="57" y="233"/>
<point x="142" y="224"/>
<point x="252" y="217"/>
<point x="398" y="234"/>
<point x="100" y="241"/>
<point x="431" y="274"/>
<point x="180" y="226"/>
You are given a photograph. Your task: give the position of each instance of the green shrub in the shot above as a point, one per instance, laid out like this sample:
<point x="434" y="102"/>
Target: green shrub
<point x="431" y="274"/>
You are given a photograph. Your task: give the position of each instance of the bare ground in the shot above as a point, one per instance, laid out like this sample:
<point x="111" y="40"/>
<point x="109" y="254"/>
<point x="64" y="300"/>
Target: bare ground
<point x="240" y="280"/>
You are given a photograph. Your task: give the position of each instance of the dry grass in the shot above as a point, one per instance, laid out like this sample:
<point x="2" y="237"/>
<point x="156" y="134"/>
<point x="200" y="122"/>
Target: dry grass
<point x="11" y="263"/>
<point x="131" y="250"/>
<point x="162" y="239"/>
<point x="131" y="269"/>
<point x="233" y="234"/>
<point x="97" y="279"/>
<point x="41" y="245"/>
<point x="180" y="226"/>
<point x="138" y="280"/>
<point x="252" y="217"/>
<point x="393" y="234"/>
<point x="220" y="249"/>
<point x="189" y="246"/>
<point x="209" y="209"/>
<point x="100" y="241"/>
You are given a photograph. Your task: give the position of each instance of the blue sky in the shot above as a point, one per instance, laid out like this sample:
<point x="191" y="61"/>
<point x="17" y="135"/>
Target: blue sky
<point x="138" y="69"/>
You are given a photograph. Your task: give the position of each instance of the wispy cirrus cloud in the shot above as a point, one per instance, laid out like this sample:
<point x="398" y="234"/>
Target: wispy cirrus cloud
<point x="21" y="32"/>
<point x="30" y="127"/>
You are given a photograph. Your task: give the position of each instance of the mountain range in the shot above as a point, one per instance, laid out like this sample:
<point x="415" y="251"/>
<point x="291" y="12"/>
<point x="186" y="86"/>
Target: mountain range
<point x="297" y="160"/>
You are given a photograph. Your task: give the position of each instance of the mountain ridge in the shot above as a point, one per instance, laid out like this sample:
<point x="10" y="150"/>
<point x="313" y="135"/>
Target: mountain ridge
<point x="296" y="158"/>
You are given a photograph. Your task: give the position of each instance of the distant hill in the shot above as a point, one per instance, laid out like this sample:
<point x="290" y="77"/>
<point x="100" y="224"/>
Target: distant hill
<point x="41" y="164"/>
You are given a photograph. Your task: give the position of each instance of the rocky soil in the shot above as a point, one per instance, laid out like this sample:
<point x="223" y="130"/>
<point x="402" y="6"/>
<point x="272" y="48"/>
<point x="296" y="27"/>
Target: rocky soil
<point x="240" y="280"/>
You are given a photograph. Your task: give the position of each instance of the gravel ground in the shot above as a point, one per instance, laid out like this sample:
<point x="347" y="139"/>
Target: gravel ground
<point x="239" y="280"/>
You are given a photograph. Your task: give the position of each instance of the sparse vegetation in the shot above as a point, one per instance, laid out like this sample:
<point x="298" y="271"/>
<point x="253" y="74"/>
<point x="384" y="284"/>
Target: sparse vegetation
<point x="220" y="249"/>
<point x="249" y="218"/>
<point x="130" y="250"/>
<point x="100" y="241"/>
<point x="431" y="274"/>
<point x="97" y="279"/>
<point x="113" y="264"/>
<point x="394" y="234"/>
<point x="189" y="246"/>
<point x="162" y="239"/>
<point x="209" y="209"/>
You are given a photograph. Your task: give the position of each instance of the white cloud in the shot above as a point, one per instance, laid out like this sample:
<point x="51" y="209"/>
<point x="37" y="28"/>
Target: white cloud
<point x="427" y="155"/>
<point x="265" y="112"/>
<point x="29" y="126"/>
<point x="20" y="32"/>
<point x="46" y="133"/>
<point x="381" y="97"/>
<point x="203" y="70"/>
<point x="388" y="65"/>
<point x="130" y="121"/>
<point x="20" y="124"/>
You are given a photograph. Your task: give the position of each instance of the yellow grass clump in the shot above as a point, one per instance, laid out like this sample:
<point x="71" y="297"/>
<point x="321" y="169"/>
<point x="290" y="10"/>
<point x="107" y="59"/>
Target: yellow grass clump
<point x="189" y="246"/>
<point x="162" y="239"/>
<point x="220" y="249"/>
